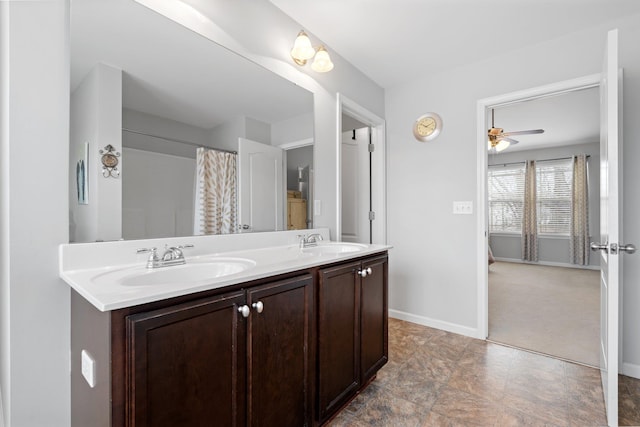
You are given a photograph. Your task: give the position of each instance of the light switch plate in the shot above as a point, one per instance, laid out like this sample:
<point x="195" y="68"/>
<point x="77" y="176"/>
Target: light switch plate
<point x="88" y="368"/>
<point x="463" y="208"/>
<point x="317" y="207"/>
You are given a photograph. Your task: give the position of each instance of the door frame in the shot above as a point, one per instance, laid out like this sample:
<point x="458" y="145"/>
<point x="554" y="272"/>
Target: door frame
<point x="379" y="166"/>
<point x="483" y="114"/>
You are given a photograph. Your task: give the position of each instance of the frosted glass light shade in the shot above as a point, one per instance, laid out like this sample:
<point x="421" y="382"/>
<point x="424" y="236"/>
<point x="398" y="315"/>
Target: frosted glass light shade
<point x="502" y="145"/>
<point x="322" y="62"/>
<point x="302" y="49"/>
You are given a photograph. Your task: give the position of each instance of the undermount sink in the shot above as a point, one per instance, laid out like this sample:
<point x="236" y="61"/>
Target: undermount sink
<point x="334" y="248"/>
<point x="187" y="273"/>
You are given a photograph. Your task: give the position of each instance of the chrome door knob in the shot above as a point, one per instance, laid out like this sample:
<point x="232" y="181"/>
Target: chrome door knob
<point x="258" y="306"/>
<point x="362" y="273"/>
<point x="369" y="271"/>
<point x="599" y="247"/>
<point x="244" y="310"/>
<point x="627" y="248"/>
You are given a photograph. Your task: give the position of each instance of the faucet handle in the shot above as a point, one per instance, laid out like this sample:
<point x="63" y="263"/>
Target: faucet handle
<point x="147" y="250"/>
<point x="153" y="257"/>
<point x="185" y="246"/>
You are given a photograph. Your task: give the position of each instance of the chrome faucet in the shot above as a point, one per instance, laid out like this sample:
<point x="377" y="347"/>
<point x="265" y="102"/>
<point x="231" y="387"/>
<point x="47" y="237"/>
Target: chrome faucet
<point x="173" y="255"/>
<point x="308" y="240"/>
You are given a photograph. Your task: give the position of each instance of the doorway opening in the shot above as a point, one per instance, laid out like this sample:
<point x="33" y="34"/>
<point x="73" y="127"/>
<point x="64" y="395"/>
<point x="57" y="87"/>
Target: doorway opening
<point x="365" y="196"/>
<point x="549" y="300"/>
<point x="356" y="154"/>
<point x="483" y="123"/>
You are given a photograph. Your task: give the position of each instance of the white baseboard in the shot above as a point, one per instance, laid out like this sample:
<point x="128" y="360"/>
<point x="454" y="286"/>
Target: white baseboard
<point x="437" y="324"/>
<point x="630" y="370"/>
<point x="549" y="263"/>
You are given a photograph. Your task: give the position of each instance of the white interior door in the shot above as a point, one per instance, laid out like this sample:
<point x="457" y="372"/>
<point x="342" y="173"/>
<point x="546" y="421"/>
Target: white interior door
<point x="260" y="186"/>
<point x="609" y="227"/>
<point x="356" y="188"/>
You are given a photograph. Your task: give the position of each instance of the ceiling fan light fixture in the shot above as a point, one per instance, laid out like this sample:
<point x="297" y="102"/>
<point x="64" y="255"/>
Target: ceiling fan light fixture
<point x="302" y="49"/>
<point x="322" y="62"/>
<point x="503" y="144"/>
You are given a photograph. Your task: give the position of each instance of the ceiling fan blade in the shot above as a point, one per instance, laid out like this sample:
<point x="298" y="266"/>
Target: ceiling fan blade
<point x="511" y="140"/>
<point x="523" y="132"/>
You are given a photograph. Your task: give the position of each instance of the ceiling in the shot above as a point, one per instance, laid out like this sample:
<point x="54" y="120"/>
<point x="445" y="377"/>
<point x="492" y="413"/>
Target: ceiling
<point x="398" y="41"/>
<point x="395" y="41"/>
<point x="569" y="118"/>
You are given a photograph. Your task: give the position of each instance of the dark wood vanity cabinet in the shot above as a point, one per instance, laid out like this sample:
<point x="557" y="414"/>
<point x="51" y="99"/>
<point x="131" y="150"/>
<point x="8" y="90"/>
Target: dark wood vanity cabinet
<point x="203" y="363"/>
<point x="275" y="352"/>
<point x="352" y="330"/>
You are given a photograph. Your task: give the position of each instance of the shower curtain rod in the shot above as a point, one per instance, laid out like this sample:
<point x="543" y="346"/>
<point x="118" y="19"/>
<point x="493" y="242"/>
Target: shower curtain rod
<point x="542" y="160"/>
<point x="193" y="144"/>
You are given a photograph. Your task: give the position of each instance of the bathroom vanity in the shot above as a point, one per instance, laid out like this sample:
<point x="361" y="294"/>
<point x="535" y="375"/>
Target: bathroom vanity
<point x="287" y="341"/>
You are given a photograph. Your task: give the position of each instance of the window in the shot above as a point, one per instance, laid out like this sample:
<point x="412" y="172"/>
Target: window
<point x="506" y="198"/>
<point x="553" y="196"/>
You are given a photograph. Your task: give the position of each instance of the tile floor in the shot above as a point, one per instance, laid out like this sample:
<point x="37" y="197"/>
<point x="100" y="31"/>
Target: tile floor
<point x="436" y="378"/>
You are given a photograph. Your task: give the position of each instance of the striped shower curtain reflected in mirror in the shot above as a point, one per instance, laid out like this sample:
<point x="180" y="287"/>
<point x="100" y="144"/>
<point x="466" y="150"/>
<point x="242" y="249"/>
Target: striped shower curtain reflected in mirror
<point x="215" y="201"/>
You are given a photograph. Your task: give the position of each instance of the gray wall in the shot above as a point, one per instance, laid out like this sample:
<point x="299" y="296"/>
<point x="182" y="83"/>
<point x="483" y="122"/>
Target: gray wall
<point x="34" y="218"/>
<point x="157" y="195"/>
<point x="96" y="119"/>
<point x="297" y="157"/>
<point x="552" y="249"/>
<point x="436" y="283"/>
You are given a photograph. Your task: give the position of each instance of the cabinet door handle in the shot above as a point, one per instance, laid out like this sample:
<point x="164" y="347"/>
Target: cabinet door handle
<point x="365" y="272"/>
<point x="258" y="306"/>
<point x="244" y="310"/>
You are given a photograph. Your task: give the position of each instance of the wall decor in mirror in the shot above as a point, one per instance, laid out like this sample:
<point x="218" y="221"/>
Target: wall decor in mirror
<point x="160" y="91"/>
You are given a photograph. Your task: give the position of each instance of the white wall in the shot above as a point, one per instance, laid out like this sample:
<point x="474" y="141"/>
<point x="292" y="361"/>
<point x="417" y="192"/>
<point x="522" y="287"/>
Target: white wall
<point x="34" y="347"/>
<point x="298" y="128"/>
<point x="433" y="264"/>
<point x="553" y="250"/>
<point x="96" y="119"/>
<point x="157" y="195"/>
<point x="159" y="126"/>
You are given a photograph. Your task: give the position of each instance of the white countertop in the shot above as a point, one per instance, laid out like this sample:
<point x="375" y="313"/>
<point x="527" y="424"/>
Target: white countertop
<point x="88" y="278"/>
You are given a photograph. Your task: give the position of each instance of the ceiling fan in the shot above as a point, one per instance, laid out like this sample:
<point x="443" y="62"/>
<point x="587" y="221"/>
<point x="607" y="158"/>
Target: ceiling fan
<point x="500" y="140"/>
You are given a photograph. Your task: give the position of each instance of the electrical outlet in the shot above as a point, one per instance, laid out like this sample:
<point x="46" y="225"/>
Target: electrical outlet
<point x="88" y="368"/>
<point x="462" y="208"/>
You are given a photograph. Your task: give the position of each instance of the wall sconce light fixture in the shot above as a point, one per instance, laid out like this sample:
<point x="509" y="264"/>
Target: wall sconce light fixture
<point x="303" y="51"/>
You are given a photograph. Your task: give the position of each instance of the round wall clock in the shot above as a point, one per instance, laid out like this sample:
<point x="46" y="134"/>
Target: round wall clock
<point x="427" y="127"/>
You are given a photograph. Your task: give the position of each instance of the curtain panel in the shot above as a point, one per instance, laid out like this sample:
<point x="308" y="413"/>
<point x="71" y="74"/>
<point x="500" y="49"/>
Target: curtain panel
<point x="529" y="218"/>
<point x="579" y="239"/>
<point x="215" y="201"/>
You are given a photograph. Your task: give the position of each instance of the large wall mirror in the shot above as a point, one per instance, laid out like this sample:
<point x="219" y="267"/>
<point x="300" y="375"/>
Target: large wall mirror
<point x="165" y="97"/>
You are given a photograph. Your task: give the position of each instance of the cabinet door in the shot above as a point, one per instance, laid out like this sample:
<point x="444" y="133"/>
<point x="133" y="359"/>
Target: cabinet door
<point x="374" y="351"/>
<point x="186" y="364"/>
<point x="281" y="361"/>
<point x="338" y="337"/>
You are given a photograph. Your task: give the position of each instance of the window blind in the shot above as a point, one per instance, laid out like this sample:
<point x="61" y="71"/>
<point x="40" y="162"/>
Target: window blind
<point x="553" y="192"/>
<point x="506" y="198"/>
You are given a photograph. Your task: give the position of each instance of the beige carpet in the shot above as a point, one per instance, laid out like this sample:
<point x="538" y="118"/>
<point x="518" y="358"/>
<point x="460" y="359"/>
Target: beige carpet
<point x="551" y="310"/>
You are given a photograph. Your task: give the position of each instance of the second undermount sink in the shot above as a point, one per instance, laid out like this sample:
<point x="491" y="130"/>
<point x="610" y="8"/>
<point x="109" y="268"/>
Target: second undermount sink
<point x="334" y="248"/>
<point x="191" y="272"/>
